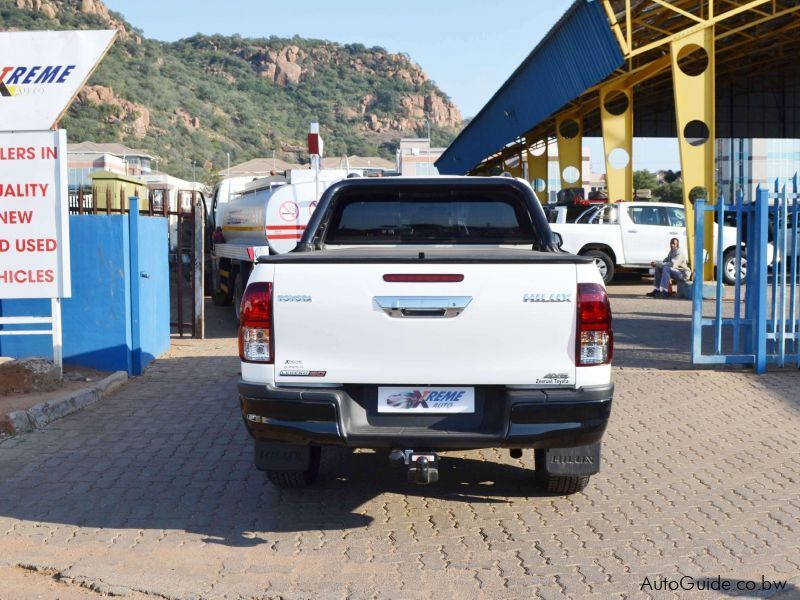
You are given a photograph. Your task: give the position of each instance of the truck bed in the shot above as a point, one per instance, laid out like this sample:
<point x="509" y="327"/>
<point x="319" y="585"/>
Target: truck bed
<point x="425" y="254"/>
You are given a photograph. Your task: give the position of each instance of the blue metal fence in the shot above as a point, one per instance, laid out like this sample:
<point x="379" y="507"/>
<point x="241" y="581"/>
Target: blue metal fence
<point x="761" y="325"/>
<point x="118" y="315"/>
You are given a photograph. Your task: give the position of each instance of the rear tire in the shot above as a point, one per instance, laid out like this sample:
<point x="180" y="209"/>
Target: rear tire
<point x="603" y="263"/>
<point x="239" y="285"/>
<point x="557" y="484"/>
<point x="729" y="266"/>
<point x="219" y="297"/>
<point x="297" y="478"/>
<point x="238" y="294"/>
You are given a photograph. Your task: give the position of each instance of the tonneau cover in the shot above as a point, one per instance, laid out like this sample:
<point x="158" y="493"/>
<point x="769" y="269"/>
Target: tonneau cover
<point x="425" y="255"/>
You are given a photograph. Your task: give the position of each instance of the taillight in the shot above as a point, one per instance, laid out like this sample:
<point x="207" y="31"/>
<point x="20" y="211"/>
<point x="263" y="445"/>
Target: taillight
<point x="594" y="340"/>
<point x="255" y="324"/>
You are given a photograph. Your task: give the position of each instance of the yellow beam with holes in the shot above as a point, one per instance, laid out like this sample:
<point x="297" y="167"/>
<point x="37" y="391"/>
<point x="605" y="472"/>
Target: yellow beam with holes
<point x="515" y="171"/>
<point x="509" y="156"/>
<point x="569" y="148"/>
<point x="618" y="141"/>
<point x="694" y="108"/>
<point x="536" y="154"/>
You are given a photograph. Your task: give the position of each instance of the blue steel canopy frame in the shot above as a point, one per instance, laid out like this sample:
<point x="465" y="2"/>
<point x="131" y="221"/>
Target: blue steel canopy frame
<point x="757" y="75"/>
<point x="579" y="52"/>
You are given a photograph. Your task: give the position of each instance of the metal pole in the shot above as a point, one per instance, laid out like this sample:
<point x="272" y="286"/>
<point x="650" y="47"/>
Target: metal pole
<point x="58" y="346"/>
<point x="780" y="240"/>
<point x="179" y="268"/>
<point x="198" y="249"/>
<point x="697" y="284"/>
<point x="759" y="281"/>
<point x="720" y="267"/>
<point x="737" y="287"/>
<point x="793" y="274"/>
<point x="135" y="283"/>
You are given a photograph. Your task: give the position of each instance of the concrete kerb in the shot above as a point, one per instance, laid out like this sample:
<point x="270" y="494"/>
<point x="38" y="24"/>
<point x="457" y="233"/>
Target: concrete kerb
<point x="41" y="415"/>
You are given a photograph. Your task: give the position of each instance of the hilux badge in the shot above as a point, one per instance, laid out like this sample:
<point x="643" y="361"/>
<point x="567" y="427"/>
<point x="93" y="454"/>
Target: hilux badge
<point x="554" y="297"/>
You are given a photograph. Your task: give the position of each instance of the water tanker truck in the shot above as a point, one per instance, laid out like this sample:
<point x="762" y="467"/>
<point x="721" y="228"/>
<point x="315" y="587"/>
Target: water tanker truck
<point x="268" y="216"/>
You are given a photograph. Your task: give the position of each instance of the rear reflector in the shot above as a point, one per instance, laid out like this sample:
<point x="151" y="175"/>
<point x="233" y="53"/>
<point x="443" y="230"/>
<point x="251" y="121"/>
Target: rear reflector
<point x="255" y="324"/>
<point x="422" y="278"/>
<point x="594" y="339"/>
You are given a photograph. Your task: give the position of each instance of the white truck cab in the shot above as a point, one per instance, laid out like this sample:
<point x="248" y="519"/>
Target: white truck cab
<point x="632" y="234"/>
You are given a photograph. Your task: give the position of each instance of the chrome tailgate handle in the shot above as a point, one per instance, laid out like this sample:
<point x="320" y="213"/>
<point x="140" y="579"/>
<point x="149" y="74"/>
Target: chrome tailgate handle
<point x="425" y="307"/>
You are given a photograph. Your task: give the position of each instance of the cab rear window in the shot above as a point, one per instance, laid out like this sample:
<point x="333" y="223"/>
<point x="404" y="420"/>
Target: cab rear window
<point x="420" y="218"/>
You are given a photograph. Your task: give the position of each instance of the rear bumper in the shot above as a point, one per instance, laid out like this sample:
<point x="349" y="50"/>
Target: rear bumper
<point x="553" y="418"/>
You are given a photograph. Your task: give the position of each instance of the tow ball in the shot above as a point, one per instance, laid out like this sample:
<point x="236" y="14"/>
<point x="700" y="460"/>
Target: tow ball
<point x="423" y="467"/>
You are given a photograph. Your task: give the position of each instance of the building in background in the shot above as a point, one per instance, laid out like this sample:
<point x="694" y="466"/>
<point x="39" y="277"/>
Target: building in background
<point x="590" y="181"/>
<point x="415" y="157"/>
<point x="87" y="157"/>
<point x="259" y="167"/>
<point x="371" y="166"/>
<point x="745" y="163"/>
<point x="264" y="167"/>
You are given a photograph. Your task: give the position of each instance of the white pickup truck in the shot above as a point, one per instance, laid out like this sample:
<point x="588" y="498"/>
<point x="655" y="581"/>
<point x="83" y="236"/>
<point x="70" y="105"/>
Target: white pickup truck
<point x="422" y="315"/>
<point x="631" y="234"/>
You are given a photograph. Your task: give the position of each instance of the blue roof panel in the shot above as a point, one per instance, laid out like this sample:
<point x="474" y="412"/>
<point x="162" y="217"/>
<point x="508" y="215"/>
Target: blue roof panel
<point x="577" y="53"/>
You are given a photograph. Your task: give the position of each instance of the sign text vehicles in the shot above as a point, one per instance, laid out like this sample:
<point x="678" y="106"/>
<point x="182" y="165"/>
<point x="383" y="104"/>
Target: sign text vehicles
<point x="34" y="231"/>
<point x="42" y="71"/>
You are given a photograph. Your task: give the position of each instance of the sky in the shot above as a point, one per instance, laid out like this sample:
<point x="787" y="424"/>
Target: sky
<point x="469" y="48"/>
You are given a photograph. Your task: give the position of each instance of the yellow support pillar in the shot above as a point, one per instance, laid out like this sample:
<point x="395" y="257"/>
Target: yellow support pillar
<point x="536" y="154"/>
<point x="693" y="77"/>
<point x="569" y="136"/>
<point x="516" y="171"/>
<point x="616" y="116"/>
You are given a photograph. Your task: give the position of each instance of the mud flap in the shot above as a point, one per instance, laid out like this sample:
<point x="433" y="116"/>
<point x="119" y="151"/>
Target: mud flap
<point x="581" y="460"/>
<point x="278" y="456"/>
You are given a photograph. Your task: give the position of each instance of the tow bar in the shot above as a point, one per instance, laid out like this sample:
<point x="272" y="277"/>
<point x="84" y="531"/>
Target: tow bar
<point x="423" y="467"/>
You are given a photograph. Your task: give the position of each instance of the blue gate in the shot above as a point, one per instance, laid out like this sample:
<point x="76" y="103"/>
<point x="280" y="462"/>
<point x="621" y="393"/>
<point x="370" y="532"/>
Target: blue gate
<point x="761" y="326"/>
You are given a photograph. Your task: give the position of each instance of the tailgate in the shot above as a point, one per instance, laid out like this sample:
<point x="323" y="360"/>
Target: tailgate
<point x="342" y="323"/>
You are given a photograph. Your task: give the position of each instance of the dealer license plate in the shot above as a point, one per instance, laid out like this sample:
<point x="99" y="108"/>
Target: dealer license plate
<point x="426" y="400"/>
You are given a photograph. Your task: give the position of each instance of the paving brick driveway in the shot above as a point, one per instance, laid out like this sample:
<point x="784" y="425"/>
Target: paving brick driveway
<point x="151" y="494"/>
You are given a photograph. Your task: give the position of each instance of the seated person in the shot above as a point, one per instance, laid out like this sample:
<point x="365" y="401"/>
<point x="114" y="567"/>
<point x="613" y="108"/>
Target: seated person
<point x="674" y="266"/>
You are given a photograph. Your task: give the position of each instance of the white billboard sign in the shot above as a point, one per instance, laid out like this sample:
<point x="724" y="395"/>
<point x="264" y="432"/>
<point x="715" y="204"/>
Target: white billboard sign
<point x="42" y="71"/>
<point x="34" y="226"/>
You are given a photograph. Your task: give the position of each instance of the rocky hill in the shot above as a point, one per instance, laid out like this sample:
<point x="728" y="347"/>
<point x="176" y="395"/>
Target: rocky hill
<point x="202" y="97"/>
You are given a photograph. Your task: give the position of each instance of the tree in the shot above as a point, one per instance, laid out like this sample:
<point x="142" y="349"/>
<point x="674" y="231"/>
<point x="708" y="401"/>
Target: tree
<point x="670" y="192"/>
<point x="670" y="176"/>
<point x="644" y="180"/>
